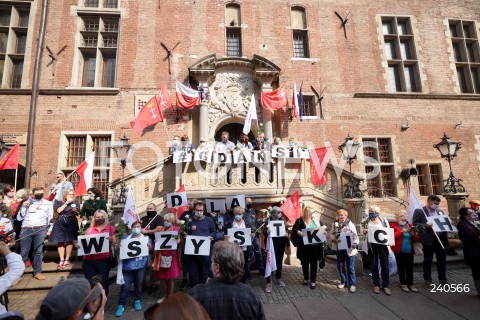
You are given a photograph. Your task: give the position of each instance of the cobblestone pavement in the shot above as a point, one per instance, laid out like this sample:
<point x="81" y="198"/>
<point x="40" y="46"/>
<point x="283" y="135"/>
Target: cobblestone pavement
<point x="296" y="301"/>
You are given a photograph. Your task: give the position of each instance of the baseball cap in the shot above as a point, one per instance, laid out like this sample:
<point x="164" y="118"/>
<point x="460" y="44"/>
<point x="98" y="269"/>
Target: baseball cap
<point x="68" y="296"/>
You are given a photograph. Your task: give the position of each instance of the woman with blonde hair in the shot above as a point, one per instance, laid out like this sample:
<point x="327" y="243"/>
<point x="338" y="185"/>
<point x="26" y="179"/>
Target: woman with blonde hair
<point x="168" y="269"/>
<point x="308" y="254"/>
<point x="345" y="258"/>
<point x="65" y="228"/>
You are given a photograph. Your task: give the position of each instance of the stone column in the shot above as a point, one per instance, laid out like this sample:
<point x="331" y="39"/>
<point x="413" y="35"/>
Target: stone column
<point x="203" y="115"/>
<point x="455" y="201"/>
<point x="267" y="114"/>
<point x="355" y="210"/>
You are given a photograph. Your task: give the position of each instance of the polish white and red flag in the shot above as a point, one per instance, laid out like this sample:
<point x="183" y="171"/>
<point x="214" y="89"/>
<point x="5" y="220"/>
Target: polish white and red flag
<point x="187" y="97"/>
<point x="85" y="172"/>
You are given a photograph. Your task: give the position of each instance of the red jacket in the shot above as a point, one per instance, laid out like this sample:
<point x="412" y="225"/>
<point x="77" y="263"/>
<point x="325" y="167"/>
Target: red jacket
<point x="398" y="234"/>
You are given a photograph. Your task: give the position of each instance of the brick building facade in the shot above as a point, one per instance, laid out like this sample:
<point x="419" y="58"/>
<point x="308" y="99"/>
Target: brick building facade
<point x="399" y="74"/>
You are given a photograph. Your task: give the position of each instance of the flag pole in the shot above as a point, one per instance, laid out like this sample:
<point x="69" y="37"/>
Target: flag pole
<point x="16" y="175"/>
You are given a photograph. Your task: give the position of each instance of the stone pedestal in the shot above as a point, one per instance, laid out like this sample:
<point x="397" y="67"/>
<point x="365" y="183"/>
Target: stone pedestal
<point x="355" y="210"/>
<point x="455" y="201"/>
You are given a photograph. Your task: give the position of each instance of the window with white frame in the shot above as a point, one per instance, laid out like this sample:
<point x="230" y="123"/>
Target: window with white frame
<point x="299" y="33"/>
<point x="403" y="69"/>
<point x="429" y="179"/>
<point x="76" y="147"/>
<point x="14" y="18"/>
<point x="233" y="30"/>
<point x="100" y="3"/>
<point x="98" y="44"/>
<point x="379" y="167"/>
<point x="466" y="54"/>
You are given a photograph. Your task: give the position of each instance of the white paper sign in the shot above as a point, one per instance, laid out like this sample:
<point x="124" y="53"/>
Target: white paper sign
<point x="134" y="248"/>
<point x="381" y="235"/>
<point x="203" y="155"/>
<point x="222" y="158"/>
<point x="241" y="236"/>
<point x="242" y="156"/>
<point x="314" y="235"/>
<point x="235" y="201"/>
<point x="301" y="153"/>
<point x="177" y="199"/>
<point x="197" y="246"/>
<point x="277" y="228"/>
<point x="262" y="157"/>
<point x="182" y="156"/>
<point x="442" y="223"/>
<point x="345" y="241"/>
<point x="166" y="240"/>
<point x="280" y="152"/>
<point x="96" y="243"/>
<point x="212" y="205"/>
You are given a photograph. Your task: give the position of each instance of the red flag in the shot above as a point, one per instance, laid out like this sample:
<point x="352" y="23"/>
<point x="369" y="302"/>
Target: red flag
<point x="164" y="98"/>
<point x="274" y="100"/>
<point x="291" y="208"/>
<point x="10" y="161"/>
<point x="187" y="97"/>
<point x="318" y="163"/>
<point x="150" y="114"/>
<point x="182" y="209"/>
<point x="85" y="172"/>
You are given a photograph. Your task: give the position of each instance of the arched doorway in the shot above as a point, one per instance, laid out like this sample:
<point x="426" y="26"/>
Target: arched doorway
<point x="234" y="130"/>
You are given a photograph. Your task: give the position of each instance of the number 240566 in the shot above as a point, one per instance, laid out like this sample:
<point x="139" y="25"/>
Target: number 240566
<point x="450" y="287"/>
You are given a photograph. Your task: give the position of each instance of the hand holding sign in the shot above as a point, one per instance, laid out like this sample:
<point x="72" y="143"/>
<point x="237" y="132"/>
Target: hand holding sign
<point x="166" y="240"/>
<point x="241" y="236"/>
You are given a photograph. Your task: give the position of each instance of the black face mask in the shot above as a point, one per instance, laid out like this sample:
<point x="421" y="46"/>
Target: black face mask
<point x="249" y="205"/>
<point x="151" y="214"/>
<point x="39" y="196"/>
<point x="100" y="221"/>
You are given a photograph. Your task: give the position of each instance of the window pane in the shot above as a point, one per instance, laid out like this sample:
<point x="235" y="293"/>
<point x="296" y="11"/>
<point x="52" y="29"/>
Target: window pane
<point x="394" y="78"/>
<point x="91" y="24"/>
<point x="422" y="181"/>
<point x="454" y="32"/>
<point x="300" y="49"/>
<point x="5" y="16"/>
<point x="387" y="27"/>
<point x="76" y="151"/>
<point x="2" y="66"/>
<point x="390" y="50"/>
<point x="373" y="189"/>
<point x="23" y="17"/>
<point x="467" y="33"/>
<point x="232" y="15"/>
<point x="409" y="78"/>
<point x="90" y="3"/>
<point x="89" y="65"/>
<point x="110" y="25"/>
<point x="476" y="79"/>
<point x="234" y="42"/>
<point x="472" y="51"/>
<point x="462" y="80"/>
<point x="436" y="179"/>
<point x="405" y="50"/>
<point x="402" y="27"/>
<point x="17" y="71"/>
<point x="3" y="41"/>
<point x="384" y="150"/>
<point x="21" y="43"/>
<point x="457" y="51"/>
<point x="369" y="149"/>
<point x="109" y="66"/>
<point x="308" y="106"/>
<point x="101" y="146"/>
<point x="299" y="20"/>
<point x="110" y="3"/>
<point x="387" y="180"/>
<point x="100" y="181"/>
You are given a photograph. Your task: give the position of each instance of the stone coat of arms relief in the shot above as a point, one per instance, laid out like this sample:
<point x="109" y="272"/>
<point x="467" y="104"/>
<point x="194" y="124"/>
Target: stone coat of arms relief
<point x="229" y="96"/>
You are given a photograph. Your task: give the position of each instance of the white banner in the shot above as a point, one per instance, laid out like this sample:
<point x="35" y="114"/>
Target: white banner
<point x="134" y="248"/>
<point x="177" y="199"/>
<point x="96" y="243"/>
<point x="182" y="156"/>
<point x="314" y="235"/>
<point x="261" y="157"/>
<point x="442" y="223"/>
<point x="280" y="152"/>
<point x="197" y="246"/>
<point x="241" y="236"/>
<point x="242" y="156"/>
<point x="222" y="158"/>
<point x="203" y="155"/>
<point x="277" y="228"/>
<point x="381" y="235"/>
<point x="166" y="240"/>
<point x="235" y="201"/>
<point x="212" y="205"/>
<point x="301" y="153"/>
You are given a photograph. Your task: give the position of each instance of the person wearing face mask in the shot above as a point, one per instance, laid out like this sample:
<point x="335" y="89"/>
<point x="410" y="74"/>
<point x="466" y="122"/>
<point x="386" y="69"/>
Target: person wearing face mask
<point x="36" y="219"/>
<point x="99" y="263"/>
<point x="65" y="228"/>
<point x="152" y="222"/>
<point x="59" y="187"/>
<point x="431" y="243"/>
<point x="469" y="233"/>
<point x="378" y="252"/>
<point x="403" y="250"/>
<point x="240" y="222"/>
<point x="133" y="272"/>
<point x="167" y="275"/>
<point x="201" y="225"/>
<point x="279" y="244"/>
<point x="251" y="217"/>
<point x="93" y="203"/>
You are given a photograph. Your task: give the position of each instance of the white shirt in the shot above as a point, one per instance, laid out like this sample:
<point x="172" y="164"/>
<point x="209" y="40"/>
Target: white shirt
<point x="36" y="214"/>
<point x="224" y="147"/>
<point x="15" y="271"/>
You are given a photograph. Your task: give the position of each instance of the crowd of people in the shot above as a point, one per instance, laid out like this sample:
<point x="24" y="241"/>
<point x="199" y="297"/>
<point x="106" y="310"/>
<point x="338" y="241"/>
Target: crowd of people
<point x="219" y="281"/>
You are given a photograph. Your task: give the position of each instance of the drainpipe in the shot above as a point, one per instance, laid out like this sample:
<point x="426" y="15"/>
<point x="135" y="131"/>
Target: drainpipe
<point x="33" y="99"/>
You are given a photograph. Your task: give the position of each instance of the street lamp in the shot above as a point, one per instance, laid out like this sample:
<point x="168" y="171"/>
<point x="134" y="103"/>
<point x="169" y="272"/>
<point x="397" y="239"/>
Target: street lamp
<point x="448" y="150"/>
<point x="121" y="151"/>
<point x="349" y="150"/>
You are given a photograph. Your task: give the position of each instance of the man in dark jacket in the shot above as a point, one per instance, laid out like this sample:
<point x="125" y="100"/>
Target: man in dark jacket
<point x="431" y="243"/>
<point x="224" y="296"/>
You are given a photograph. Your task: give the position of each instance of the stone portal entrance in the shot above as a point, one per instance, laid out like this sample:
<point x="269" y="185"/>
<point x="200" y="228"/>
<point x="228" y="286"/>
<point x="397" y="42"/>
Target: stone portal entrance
<point x="234" y="129"/>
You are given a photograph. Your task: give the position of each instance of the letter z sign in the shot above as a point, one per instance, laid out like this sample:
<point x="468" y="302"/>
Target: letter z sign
<point x="166" y="240"/>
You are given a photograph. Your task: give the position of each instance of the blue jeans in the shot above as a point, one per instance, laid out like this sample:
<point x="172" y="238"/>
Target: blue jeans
<point x="100" y="267"/>
<point x="343" y="260"/>
<point x="258" y="253"/>
<point x="37" y="236"/>
<point x="135" y="277"/>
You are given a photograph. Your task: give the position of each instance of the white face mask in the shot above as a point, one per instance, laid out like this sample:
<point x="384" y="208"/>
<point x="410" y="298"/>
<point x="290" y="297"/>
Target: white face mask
<point x="434" y="206"/>
<point x="402" y="223"/>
